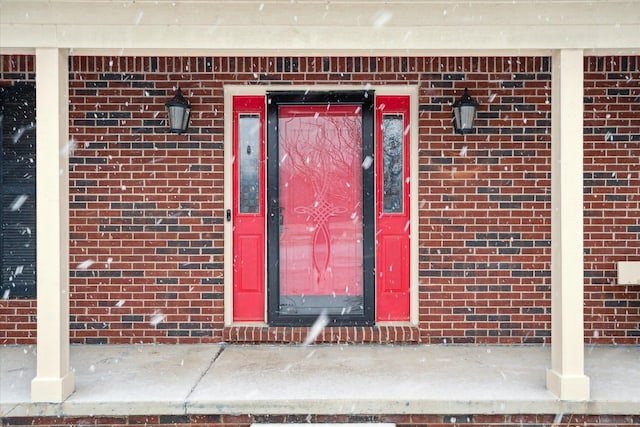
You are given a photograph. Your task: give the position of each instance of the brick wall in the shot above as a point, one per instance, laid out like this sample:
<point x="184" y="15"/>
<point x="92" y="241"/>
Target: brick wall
<point x="485" y="203"/>
<point x="611" y="197"/>
<point x="400" y="420"/>
<point x="147" y="206"/>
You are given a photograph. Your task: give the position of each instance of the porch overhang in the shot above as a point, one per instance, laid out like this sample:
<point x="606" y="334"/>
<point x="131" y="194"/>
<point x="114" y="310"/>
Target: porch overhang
<point x="351" y="27"/>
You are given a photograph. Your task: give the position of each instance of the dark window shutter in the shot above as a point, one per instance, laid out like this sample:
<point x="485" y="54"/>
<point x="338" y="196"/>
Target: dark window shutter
<point x="18" y="191"/>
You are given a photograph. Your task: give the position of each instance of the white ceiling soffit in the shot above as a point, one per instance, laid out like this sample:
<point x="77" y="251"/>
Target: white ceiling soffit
<point x="307" y="27"/>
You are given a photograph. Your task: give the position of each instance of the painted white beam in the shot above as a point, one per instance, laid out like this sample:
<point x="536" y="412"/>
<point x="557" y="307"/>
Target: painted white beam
<point x="54" y="381"/>
<point x="422" y="27"/>
<point x="566" y="377"/>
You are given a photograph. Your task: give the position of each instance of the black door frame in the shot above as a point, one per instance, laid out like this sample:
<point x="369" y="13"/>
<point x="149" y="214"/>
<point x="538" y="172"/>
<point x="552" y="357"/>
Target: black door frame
<point x="364" y="99"/>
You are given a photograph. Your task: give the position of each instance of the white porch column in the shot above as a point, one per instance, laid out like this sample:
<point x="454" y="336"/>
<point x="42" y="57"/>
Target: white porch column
<point x="566" y="377"/>
<point x="54" y="381"/>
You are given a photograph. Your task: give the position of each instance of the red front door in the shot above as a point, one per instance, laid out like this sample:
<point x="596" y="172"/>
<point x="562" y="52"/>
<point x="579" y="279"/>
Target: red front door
<point x="325" y="224"/>
<point x="318" y="226"/>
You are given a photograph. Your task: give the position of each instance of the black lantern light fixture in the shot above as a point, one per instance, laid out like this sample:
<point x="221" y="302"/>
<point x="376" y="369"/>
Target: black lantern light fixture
<point x="464" y="112"/>
<point x="179" y="113"/>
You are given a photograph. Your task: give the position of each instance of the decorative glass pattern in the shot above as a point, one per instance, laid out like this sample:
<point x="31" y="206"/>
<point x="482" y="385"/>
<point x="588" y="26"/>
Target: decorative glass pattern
<point x="393" y="164"/>
<point x="249" y="167"/>
<point x="321" y="237"/>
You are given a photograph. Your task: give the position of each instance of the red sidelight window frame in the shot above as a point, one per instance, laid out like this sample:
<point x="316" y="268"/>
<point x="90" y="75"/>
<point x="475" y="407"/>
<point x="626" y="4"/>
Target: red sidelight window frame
<point x="249" y="267"/>
<point x="393" y="250"/>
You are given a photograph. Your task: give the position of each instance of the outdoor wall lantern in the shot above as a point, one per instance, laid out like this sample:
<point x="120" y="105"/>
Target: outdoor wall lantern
<point x="464" y="112"/>
<point x="179" y="113"/>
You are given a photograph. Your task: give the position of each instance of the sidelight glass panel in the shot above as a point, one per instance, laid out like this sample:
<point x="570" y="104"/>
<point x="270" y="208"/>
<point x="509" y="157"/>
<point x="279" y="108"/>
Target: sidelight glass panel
<point x="393" y="164"/>
<point x="249" y="163"/>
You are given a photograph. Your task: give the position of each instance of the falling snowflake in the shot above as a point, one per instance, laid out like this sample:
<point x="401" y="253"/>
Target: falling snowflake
<point x="368" y="161"/>
<point x="156" y="318"/>
<point x="18" y="134"/>
<point x="69" y="148"/>
<point x="18" y="202"/>
<point x="318" y="326"/>
<point x="85" y="264"/>
<point x="382" y="18"/>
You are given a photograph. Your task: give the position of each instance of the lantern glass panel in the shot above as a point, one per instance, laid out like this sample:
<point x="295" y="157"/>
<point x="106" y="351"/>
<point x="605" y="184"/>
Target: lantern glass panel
<point x="177" y="116"/>
<point x="185" y="119"/>
<point x="467" y="113"/>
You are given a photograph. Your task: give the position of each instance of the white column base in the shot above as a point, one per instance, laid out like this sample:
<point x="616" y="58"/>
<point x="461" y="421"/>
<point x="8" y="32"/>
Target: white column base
<point x="568" y="387"/>
<point x="52" y="389"/>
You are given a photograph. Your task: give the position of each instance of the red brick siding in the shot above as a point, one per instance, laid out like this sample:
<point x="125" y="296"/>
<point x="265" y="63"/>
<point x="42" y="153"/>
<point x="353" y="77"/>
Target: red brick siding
<point x="611" y="197"/>
<point x="345" y="335"/>
<point x="399" y="420"/>
<point x="147" y="206"/>
<point x="485" y="203"/>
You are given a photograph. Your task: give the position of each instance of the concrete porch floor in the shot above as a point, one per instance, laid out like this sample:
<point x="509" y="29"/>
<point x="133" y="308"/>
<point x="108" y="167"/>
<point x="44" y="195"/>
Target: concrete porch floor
<point x="338" y="379"/>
